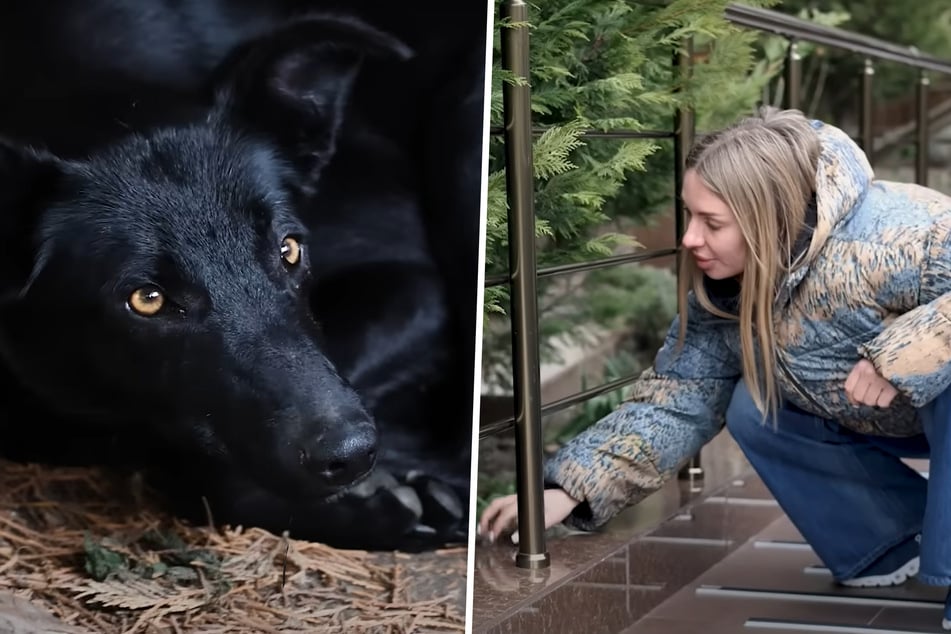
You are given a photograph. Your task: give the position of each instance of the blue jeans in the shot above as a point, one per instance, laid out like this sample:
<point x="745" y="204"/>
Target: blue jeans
<point x="849" y="494"/>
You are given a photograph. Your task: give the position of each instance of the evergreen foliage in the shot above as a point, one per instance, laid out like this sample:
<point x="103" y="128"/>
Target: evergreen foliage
<point x="605" y="65"/>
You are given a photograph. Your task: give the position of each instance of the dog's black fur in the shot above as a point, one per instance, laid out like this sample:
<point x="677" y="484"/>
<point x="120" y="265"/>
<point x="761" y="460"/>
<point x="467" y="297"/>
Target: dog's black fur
<point x="185" y="143"/>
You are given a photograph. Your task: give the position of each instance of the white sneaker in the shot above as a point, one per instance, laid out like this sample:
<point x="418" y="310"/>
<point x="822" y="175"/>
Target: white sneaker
<point x="896" y="577"/>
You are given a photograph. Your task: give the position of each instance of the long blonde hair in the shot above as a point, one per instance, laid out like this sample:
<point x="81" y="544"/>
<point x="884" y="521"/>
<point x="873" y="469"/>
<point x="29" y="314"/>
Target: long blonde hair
<point x="764" y="168"/>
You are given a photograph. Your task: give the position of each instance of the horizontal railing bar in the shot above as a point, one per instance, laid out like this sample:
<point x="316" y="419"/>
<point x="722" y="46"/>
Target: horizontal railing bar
<point x="590" y="265"/>
<point x="497" y="427"/>
<point x="588" y="394"/>
<point x="790" y="26"/>
<point x="627" y="134"/>
<point x="601" y="134"/>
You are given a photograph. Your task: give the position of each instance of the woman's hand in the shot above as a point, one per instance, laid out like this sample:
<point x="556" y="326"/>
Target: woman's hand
<point x="865" y="386"/>
<point x="502" y="513"/>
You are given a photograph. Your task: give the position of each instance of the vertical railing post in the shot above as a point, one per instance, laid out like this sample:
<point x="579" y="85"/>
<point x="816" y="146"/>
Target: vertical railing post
<point x="921" y="156"/>
<point x="524" y="306"/>
<point x="793" y="74"/>
<point x="683" y="134"/>
<point x="684" y="131"/>
<point x="866" y="130"/>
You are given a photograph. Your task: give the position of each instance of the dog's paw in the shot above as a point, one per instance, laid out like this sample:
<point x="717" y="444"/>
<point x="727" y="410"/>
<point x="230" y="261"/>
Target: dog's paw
<point x="443" y="509"/>
<point x="413" y="512"/>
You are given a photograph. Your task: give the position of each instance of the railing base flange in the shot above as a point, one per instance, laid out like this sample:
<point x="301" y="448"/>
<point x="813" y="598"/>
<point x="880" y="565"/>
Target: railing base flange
<point x="533" y="562"/>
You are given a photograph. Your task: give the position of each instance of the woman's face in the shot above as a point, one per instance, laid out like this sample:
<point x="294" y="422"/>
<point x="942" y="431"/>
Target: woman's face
<point x="713" y="236"/>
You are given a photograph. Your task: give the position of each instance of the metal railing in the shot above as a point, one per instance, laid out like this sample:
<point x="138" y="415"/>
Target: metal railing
<point x="795" y="30"/>
<point x="518" y="133"/>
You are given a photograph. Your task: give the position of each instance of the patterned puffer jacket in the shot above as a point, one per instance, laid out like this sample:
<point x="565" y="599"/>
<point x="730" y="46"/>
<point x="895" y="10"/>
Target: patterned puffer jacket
<point x="879" y="288"/>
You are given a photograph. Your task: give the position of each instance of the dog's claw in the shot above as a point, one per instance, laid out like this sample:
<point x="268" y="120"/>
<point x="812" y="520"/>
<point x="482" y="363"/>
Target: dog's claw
<point x="440" y="503"/>
<point x="378" y="479"/>
<point x="422" y="530"/>
<point x="409" y="499"/>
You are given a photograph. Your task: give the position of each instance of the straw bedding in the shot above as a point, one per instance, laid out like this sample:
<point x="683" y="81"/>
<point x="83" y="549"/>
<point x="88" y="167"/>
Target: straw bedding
<point x="90" y="549"/>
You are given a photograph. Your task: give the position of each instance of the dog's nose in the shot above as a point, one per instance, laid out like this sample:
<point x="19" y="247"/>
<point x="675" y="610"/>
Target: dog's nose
<point x="342" y="455"/>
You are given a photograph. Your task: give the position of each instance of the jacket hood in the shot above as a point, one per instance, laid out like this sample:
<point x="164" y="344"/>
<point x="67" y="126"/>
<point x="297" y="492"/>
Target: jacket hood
<point x="843" y="178"/>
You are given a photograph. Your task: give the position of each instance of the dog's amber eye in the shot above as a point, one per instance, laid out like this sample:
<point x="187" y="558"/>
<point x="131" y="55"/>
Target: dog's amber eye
<point x="290" y="250"/>
<point x="146" y="301"/>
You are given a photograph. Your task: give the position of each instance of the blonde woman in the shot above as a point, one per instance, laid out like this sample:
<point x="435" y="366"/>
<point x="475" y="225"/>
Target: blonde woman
<point x="816" y="323"/>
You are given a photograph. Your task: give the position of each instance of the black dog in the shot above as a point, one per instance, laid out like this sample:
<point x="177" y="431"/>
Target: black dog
<point x="158" y="303"/>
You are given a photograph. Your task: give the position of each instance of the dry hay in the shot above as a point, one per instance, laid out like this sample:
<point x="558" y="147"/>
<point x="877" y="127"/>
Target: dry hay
<point x="87" y="548"/>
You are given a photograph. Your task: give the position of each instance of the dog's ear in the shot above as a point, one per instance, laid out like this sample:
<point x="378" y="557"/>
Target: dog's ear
<point x="27" y="179"/>
<point x="293" y="83"/>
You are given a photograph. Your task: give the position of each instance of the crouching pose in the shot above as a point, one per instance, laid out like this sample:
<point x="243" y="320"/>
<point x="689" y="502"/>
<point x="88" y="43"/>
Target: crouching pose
<point x="815" y="321"/>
